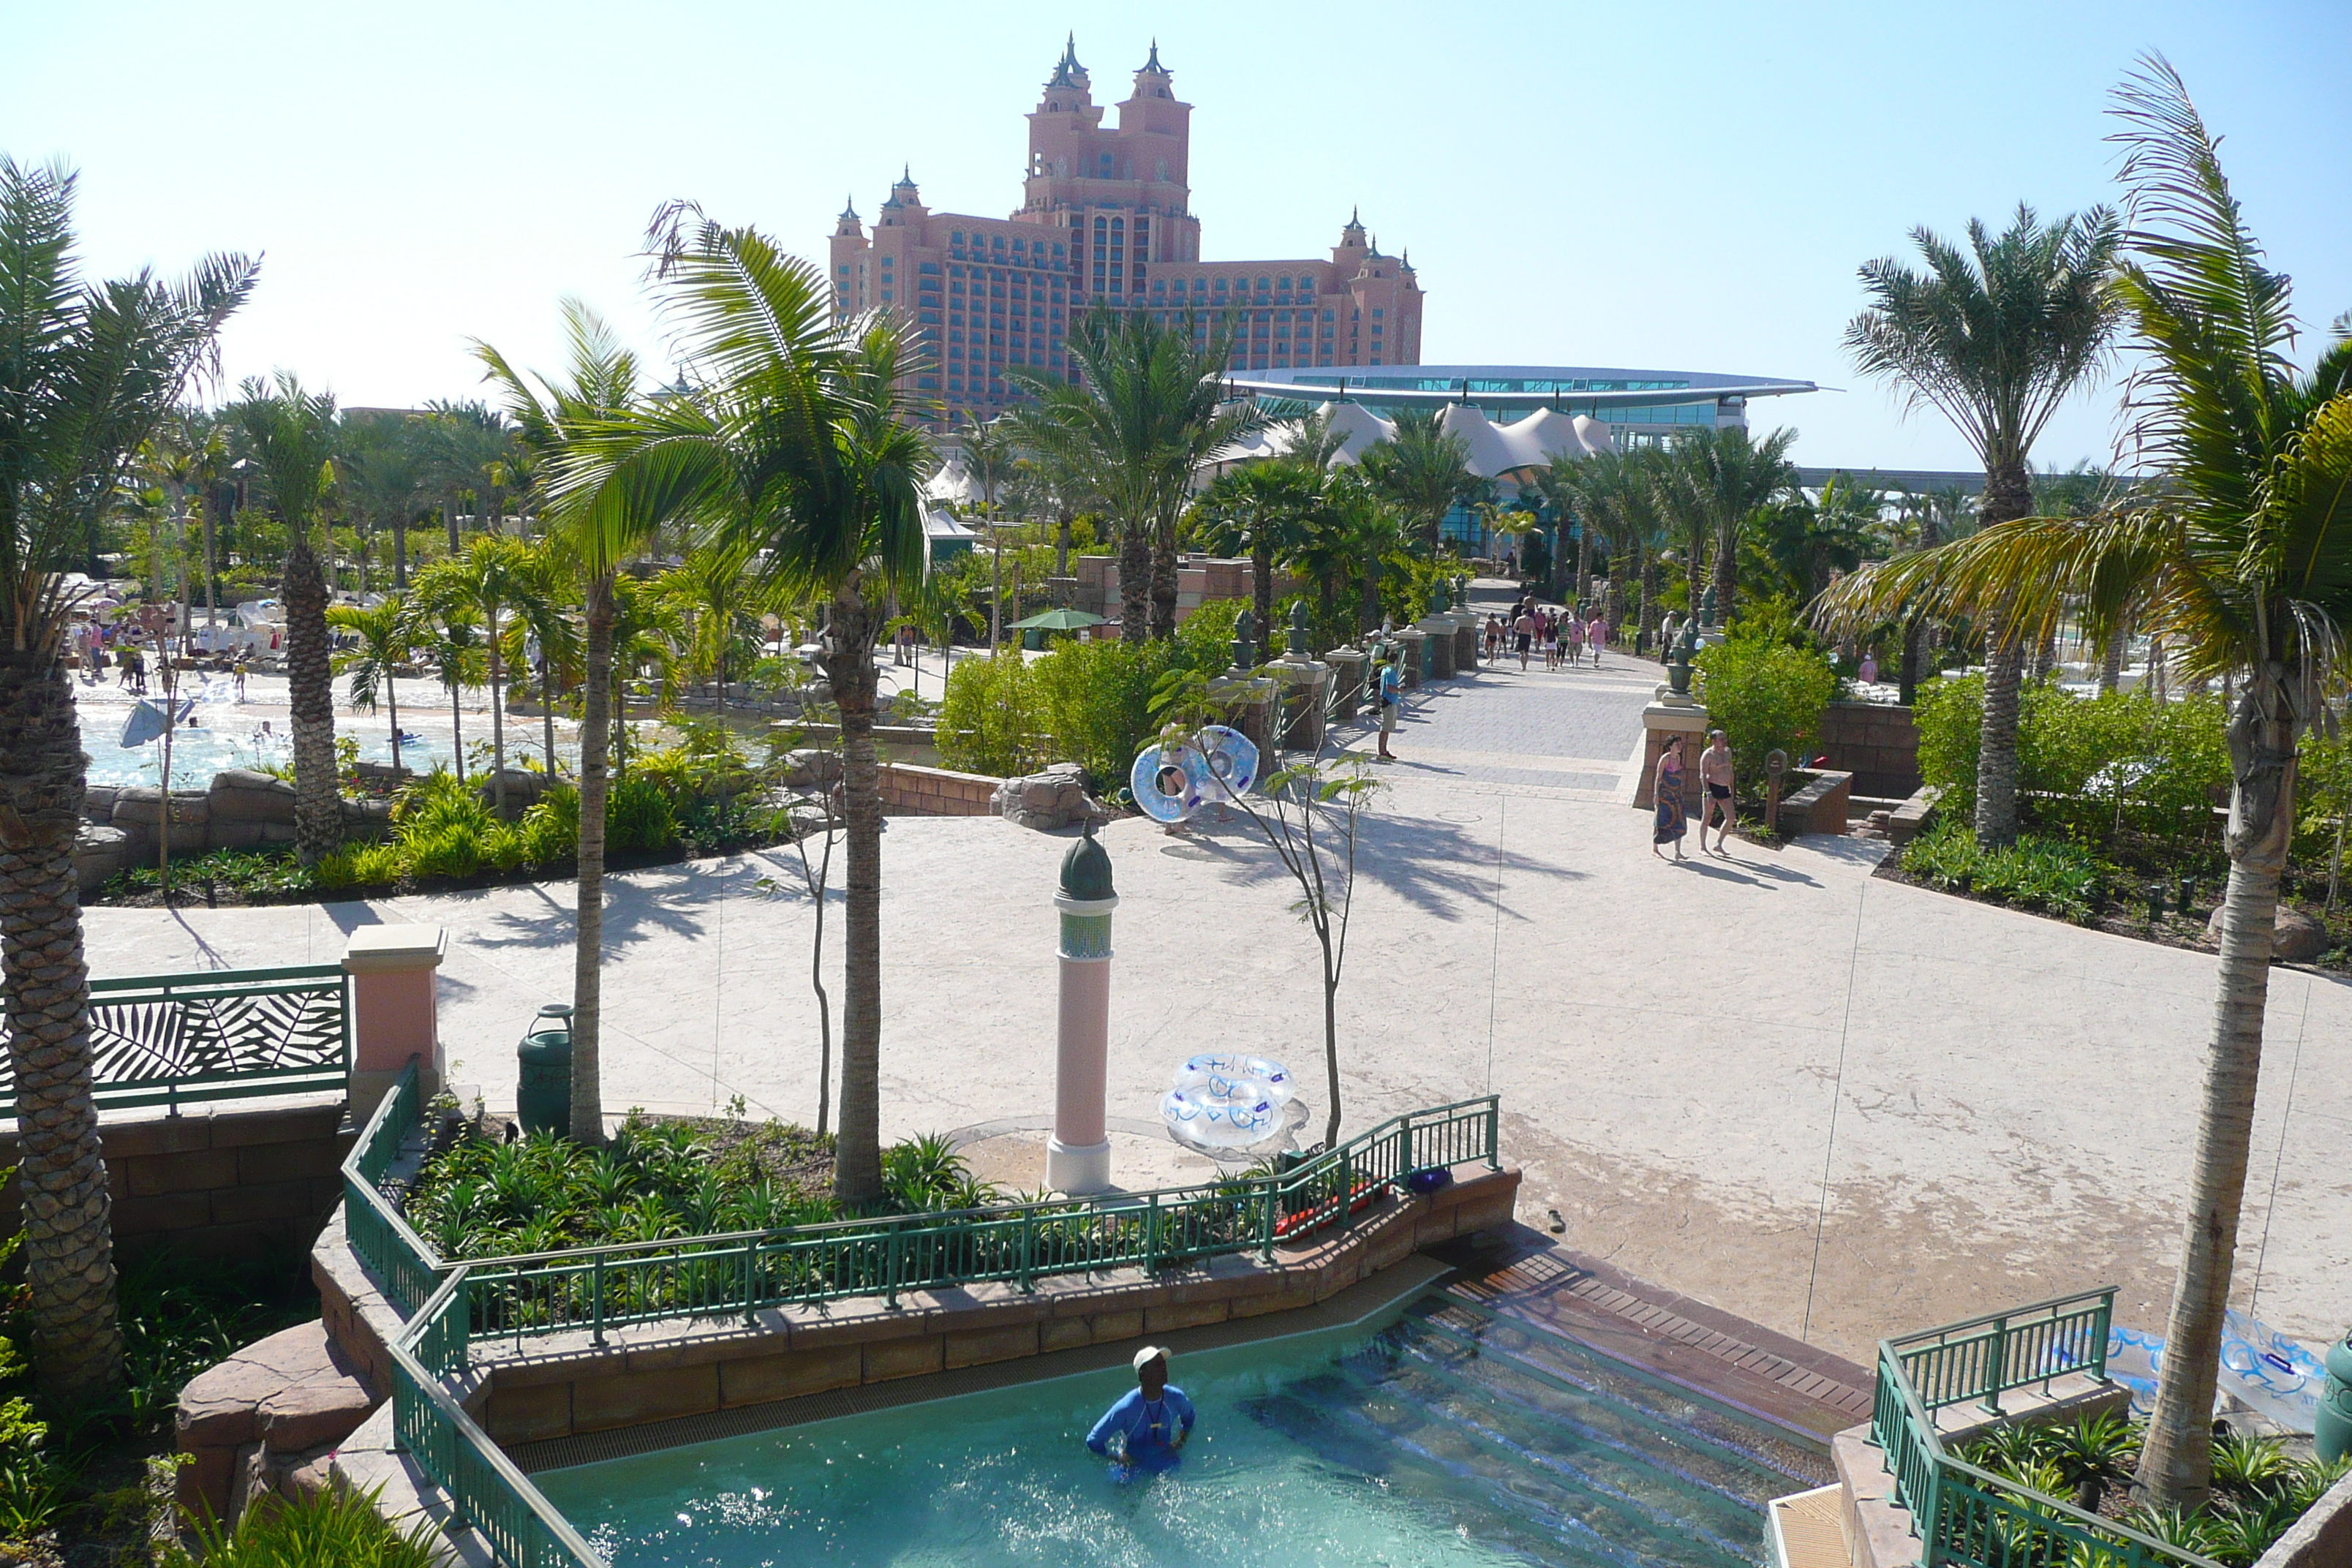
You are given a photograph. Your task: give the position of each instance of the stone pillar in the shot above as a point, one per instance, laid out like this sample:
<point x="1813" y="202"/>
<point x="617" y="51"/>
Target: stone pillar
<point x="1347" y="669"/>
<point x="1416" y="655"/>
<point x="394" y="1012"/>
<point x="1248" y="703"/>
<point x="1469" y="628"/>
<point x="1661" y="721"/>
<point x="1304" y="680"/>
<point x="1437" y="632"/>
<point x="1077" y="1156"/>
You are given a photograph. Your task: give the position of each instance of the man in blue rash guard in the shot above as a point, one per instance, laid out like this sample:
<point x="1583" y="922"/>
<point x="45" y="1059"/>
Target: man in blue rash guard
<point x="1151" y="1421"/>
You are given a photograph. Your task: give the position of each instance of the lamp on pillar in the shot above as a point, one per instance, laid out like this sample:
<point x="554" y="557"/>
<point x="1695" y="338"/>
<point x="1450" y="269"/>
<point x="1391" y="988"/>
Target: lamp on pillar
<point x="1077" y="1156"/>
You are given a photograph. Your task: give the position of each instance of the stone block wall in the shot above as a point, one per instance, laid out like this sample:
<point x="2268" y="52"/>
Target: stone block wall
<point x="124" y="825"/>
<point x="217" y="1179"/>
<point x="1816" y="802"/>
<point x="914" y="791"/>
<point x="1877" y="743"/>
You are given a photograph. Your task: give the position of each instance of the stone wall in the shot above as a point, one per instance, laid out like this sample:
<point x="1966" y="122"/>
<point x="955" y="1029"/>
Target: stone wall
<point x="1877" y="743"/>
<point x="217" y="1179"/>
<point x="123" y="825"/>
<point x="914" y="791"/>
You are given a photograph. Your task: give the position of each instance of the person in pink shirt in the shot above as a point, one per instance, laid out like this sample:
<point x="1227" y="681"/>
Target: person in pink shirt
<point x="1596" y="637"/>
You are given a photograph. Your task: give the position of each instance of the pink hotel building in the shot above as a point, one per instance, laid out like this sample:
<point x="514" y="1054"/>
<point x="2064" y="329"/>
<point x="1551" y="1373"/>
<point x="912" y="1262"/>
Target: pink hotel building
<point x="1104" y="219"/>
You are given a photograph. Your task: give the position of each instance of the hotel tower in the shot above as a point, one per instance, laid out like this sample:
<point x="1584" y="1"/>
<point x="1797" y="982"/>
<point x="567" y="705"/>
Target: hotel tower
<point x="1106" y="219"/>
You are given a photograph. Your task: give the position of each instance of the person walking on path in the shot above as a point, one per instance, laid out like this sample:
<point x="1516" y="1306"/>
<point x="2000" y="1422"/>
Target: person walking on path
<point x="1596" y="637"/>
<point x="1392" y="700"/>
<point x="1573" y="640"/>
<point x="1670" y="822"/>
<point x="1523" y="631"/>
<point x="1714" y="772"/>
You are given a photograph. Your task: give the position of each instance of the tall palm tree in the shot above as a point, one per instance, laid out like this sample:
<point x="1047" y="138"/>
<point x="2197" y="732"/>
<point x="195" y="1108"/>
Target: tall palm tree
<point x="597" y="530"/>
<point x="86" y="372"/>
<point x="1995" y="337"/>
<point x="292" y="436"/>
<point x="648" y="630"/>
<point x="1424" y="469"/>
<point x="383" y="465"/>
<point x="546" y="615"/>
<point x="793" y="435"/>
<point x="1146" y="417"/>
<point x="383" y="630"/>
<point x="452" y="638"/>
<point x="2240" y="563"/>
<point x="715" y="587"/>
<point x="991" y="455"/>
<point x="1371" y="532"/>
<point x="1618" y="495"/>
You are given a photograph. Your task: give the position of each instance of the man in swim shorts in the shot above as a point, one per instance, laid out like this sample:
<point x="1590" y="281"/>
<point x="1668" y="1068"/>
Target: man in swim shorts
<point x="1714" y="772"/>
<point x="1151" y="1421"/>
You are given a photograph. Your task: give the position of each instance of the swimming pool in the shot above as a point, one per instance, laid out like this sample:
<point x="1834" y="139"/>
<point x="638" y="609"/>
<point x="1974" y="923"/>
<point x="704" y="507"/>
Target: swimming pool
<point x="1445" y="1440"/>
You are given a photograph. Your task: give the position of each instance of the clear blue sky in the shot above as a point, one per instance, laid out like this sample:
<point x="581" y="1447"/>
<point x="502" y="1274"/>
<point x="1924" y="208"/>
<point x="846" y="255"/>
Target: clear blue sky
<point x="1685" y="186"/>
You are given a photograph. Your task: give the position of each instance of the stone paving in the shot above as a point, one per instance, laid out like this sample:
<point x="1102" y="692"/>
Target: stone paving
<point x="1838" y="1106"/>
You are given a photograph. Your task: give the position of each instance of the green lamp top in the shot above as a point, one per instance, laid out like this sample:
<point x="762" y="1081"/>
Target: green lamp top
<point x="1085" y="869"/>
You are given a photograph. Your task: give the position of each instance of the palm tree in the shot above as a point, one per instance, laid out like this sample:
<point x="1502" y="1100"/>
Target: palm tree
<point x="1370" y="531"/>
<point x="714" y="586"/>
<point x="452" y="639"/>
<point x="546" y="615"/>
<point x="1263" y="509"/>
<point x="1806" y="541"/>
<point x="595" y="531"/>
<point x="647" y="632"/>
<point x="1424" y="469"/>
<point x="794" y="437"/>
<point x="292" y="436"/>
<point x="494" y="576"/>
<point x="1137" y="429"/>
<point x="382" y="629"/>
<point x="2240" y="563"/>
<point x="1618" y="494"/>
<point x="992" y="453"/>
<point x="86" y="372"/>
<point x="1995" y="337"/>
<point x="383" y="465"/>
<point x="1717" y="480"/>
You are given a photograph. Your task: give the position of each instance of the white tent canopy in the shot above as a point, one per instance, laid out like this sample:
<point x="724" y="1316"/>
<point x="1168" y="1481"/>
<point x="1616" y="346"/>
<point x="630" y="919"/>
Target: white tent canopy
<point x="1537" y="441"/>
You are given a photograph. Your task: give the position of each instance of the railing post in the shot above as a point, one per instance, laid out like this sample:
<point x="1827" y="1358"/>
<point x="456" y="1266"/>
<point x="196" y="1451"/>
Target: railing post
<point x="1493" y="1133"/>
<point x="1999" y="1367"/>
<point x="750" y="1281"/>
<point x="1028" y="1251"/>
<point x="596" y="1314"/>
<point x="890" y="1269"/>
<point x="1151" y="1235"/>
<point x="1268" y="1201"/>
<point x="1346" y="1188"/>
<point x="2101" y="1324"/>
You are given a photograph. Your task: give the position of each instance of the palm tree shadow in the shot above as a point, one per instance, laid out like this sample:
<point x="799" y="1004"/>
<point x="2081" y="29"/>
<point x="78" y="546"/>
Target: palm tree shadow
<point x="1437" y="866"/>
<point x="671" y="898"/>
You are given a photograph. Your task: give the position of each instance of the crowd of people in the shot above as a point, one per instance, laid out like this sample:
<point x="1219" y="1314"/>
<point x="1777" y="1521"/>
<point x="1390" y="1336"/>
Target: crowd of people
<point x="1563" y="635"/>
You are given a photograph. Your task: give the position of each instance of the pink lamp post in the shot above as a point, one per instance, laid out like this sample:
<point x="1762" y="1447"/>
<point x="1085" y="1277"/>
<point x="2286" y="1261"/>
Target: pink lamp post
<point x="1078" y="1157"/>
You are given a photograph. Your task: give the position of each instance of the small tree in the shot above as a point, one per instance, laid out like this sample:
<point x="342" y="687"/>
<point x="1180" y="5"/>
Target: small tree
<point x="816" y="878"/>
<point x="1308" y="813"/>
<point x="1764" y="692"/>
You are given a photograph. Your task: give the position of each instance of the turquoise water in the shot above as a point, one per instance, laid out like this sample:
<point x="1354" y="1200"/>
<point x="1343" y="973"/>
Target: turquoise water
<point x="1440" y="1441"/>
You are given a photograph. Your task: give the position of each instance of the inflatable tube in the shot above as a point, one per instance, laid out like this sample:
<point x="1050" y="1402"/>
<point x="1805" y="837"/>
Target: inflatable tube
<point x="1174" y="779"/>
<point x="2260" y="1368"/>
<point x="1233" y="1108"/>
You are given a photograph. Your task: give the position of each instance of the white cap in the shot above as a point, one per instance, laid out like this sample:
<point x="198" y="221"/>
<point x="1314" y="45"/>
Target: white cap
<point x="1149" y="1354"/>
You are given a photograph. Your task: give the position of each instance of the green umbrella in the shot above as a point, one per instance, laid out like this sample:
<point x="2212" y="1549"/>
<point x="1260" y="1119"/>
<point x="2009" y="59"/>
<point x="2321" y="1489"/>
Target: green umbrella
<point x="1059" y="621"/>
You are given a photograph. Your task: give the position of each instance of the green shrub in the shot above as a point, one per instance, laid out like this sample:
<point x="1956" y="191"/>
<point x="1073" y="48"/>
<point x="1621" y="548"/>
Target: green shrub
<point x="256" y="873"/>
<point x="360" y="866"/>
<point x="2087" y="764"/>
<point x="638" y="816"/>
<point x="1765" y="694"/>
<point x="1096" y="698"/>
<point x="990" y="719"/>
<point x="2036" y="873"/>
<point x="335" y="1529"/>
<point x="1204" y="640"/>
<point x="551" y="828"/>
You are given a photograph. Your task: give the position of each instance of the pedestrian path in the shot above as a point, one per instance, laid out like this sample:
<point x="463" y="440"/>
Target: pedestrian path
<point x="1573" y="732"/>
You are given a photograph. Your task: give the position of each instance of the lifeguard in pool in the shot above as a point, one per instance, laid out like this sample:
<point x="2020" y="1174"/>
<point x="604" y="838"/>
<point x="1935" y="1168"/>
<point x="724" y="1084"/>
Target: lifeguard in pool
<point x="1151" y="1421"/>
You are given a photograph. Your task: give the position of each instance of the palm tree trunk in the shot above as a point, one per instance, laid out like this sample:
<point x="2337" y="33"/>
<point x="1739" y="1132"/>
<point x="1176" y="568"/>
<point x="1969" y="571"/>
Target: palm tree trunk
<point x="392" y="701"/>
<point x="1726" y="569"/>
<point x="1371" y="614"/>
<point x="400" y="553"/>
<point x="1647" y="581"/>
<point x="858" y="1144"/>
<point x="318" y="809"/>
<point x="588" y="945"/>
<point x="1583" y="564"/>
<point x="1996" y="815"/>
<point x="2111" y="662"/>
<point x="61" y="1170"/>
<point x="2176" y="1463"/>
<point x="1163" y="580"/>
<point x="1262" y="590"/>
<point x="212" y="580"/>
<point x="1909" y="677"/>
<point x="547" y="706"/>
<point x="1062" y="547"/>
<point x="497" y="720"/>
<point x="1134" y="583"/>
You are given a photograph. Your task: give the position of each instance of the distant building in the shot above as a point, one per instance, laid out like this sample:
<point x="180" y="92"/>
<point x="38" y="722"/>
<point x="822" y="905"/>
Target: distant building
<point x="1106" y="219"/>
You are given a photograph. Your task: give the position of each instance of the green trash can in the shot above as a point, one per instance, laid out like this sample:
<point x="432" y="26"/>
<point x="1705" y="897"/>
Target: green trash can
<point x="2333" y="1434"/>
<point x="543" y="1083"/>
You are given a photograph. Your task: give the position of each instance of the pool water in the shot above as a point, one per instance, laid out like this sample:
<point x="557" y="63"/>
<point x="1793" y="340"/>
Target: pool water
<point x="1444" y="1439"/>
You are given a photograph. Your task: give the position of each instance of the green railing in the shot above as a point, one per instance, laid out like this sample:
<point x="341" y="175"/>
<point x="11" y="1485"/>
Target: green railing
<point x="486" y="1490"/>
<point x="227" y="1034"/>
<point x="739" y="1274"/>
<point x="1970" y="1517"/>
<point x="408" y="1268"/>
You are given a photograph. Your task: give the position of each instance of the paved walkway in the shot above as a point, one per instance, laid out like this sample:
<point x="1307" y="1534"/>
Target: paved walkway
<point x="1837" y="1105"/>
